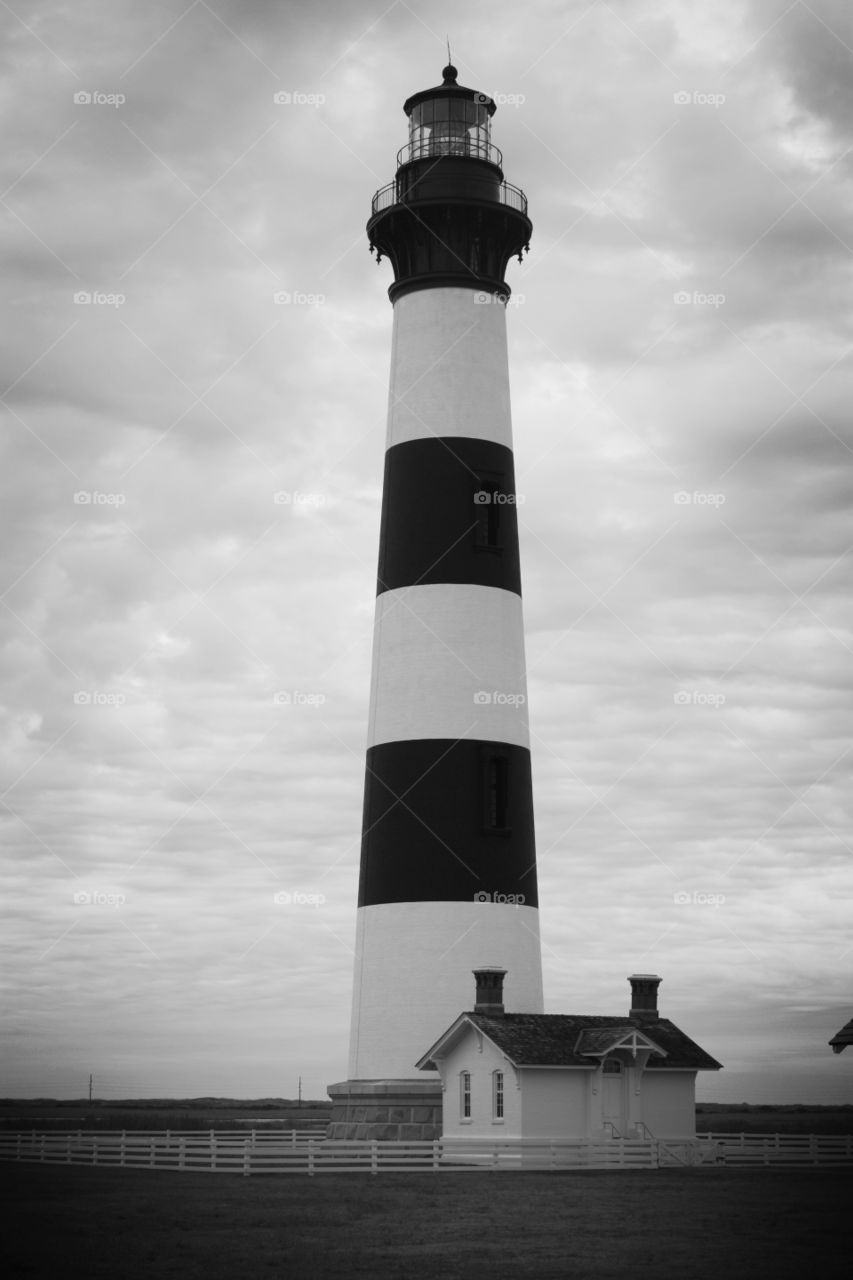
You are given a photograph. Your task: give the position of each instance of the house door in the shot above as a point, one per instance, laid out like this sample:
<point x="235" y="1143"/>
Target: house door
<point x="613" y="1096"/>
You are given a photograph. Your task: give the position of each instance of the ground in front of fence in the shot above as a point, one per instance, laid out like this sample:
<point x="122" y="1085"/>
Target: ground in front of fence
<point x="697" y="1223"/>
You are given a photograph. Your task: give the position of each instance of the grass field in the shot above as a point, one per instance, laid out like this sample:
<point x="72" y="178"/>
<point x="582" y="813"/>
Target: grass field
<point x="691" y="1224"/>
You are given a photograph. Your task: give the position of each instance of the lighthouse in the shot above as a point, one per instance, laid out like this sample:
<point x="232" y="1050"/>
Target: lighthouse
<point x="448" y="865"/>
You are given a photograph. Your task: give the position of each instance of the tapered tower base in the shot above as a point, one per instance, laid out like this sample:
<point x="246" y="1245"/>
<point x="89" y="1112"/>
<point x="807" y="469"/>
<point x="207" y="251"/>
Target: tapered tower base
<point x="386" y="1110"/>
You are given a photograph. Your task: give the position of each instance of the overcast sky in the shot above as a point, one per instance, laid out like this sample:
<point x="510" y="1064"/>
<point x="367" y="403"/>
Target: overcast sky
<point x="680" y="361"/>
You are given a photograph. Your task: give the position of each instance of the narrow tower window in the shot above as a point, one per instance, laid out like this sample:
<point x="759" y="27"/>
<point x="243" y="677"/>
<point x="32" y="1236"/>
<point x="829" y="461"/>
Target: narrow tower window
<point x="496" y="793"/>
<point x="489" y="497"/>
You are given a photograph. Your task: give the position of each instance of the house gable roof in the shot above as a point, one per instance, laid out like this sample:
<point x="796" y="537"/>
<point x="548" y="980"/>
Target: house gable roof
<point x="574" y="1040"/>
<point x="842" y="1038"/>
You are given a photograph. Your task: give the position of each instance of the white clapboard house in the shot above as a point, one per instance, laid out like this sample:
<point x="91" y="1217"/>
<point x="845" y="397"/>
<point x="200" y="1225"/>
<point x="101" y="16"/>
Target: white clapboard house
<point x="534" y="1075"/>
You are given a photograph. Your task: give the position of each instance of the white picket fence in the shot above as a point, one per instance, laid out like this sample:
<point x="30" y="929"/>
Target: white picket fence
<point x="791" y="1149"/>
<point x="295" y="1151"/>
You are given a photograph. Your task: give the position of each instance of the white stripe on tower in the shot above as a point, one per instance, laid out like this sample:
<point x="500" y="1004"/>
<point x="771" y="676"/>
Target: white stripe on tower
<point x="449" y="367"/>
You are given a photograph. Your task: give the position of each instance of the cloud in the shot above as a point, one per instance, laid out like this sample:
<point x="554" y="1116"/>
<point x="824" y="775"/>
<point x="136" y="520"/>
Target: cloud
<point x="685" y="533"/>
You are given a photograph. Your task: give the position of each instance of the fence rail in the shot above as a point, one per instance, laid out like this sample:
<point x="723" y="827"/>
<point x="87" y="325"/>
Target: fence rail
<point x="781" y="1148"/>
<point x="299" y="1151"/>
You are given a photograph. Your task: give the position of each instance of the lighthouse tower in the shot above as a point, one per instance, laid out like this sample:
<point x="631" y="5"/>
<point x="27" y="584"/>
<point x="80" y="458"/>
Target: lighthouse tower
<point x="448" y="867"/>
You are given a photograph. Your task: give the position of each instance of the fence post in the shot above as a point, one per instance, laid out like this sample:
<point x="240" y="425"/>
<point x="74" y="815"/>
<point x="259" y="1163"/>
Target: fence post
<point x="122" y="1147"/>
<point x="182" y="1152"/>
<point x="212" y="1151"/>
<point x="247" y="1162"/>
<point x="435" y="1153"/>
<point x="374" y="1160"/>
<point x="310" y="1157"/>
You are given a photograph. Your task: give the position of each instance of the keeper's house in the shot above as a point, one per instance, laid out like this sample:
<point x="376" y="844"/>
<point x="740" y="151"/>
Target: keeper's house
<point x="534" y="1075"/>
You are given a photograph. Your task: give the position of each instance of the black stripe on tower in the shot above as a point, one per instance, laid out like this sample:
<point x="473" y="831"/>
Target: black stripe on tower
<point x="449" y="515"/>
<point x="448" y="821"/>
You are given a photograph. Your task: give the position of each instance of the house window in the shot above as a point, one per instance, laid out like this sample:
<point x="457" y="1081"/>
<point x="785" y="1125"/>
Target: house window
<point x="612" y="1067"/>
<point x="497" y="1095"/>
<point x="488" y="500"/>
<point x="465" y="1095"/>
<point x="496" y="793"/>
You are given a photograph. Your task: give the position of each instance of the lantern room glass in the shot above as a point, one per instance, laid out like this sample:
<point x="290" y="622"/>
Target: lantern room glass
<point x="449" y="127"/>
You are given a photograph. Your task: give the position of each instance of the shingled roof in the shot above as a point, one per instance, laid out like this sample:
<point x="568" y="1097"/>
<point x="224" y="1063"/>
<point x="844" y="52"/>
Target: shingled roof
<point x="553" y="1040"/>
<point x="842" y="1038"/>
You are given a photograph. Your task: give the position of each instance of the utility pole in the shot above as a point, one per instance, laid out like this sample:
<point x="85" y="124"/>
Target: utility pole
<point x="90" y="1089"/>
<point x="299" y="1099"/>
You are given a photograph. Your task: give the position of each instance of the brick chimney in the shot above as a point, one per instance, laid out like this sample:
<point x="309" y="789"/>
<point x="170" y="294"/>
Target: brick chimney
<point x="644" y="996"/>
<point x="490" y="992"/>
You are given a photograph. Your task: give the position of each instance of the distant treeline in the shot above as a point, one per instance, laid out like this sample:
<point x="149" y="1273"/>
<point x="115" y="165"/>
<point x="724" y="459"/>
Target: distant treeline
<point x="172" y="1104"/>
<point x="774" y="1106"/>
<point x="324" y="1104"/>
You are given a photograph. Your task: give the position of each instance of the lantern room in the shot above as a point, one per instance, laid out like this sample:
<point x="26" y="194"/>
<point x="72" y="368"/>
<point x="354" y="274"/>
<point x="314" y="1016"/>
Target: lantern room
<point x="449" y="120"/>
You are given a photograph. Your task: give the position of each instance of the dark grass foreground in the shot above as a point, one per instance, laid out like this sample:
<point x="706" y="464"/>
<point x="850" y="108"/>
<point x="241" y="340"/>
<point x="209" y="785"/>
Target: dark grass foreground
<point x="692" y="1224"/>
